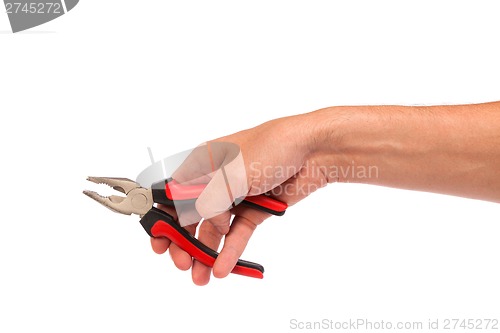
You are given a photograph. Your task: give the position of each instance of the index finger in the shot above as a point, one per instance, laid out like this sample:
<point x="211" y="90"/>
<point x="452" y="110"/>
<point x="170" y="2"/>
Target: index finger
<point x="160" y="245"/>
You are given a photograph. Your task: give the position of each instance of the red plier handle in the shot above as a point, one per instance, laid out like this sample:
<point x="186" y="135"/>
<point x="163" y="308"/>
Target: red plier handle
<point x="158" y="223"/>
<point x="163" y="193"/>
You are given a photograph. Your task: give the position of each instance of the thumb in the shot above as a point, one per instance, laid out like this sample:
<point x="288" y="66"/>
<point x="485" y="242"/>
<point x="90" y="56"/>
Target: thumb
<point x="226" y="189"/>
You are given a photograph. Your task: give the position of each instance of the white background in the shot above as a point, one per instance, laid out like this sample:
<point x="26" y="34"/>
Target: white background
<point x="86" y="94"/>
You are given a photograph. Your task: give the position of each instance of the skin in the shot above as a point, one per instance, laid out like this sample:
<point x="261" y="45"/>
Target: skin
<point x="448" y="149"/>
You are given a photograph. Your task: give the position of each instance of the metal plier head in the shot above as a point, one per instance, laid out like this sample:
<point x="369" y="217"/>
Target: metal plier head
<point x="138" y="200"/>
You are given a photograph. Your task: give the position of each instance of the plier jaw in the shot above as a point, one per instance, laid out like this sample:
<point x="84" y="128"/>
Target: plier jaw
<point x="137" y="200"/>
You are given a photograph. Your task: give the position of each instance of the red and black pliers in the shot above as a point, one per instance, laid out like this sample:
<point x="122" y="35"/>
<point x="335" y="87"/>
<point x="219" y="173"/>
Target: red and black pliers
<point x="157" y="223"/>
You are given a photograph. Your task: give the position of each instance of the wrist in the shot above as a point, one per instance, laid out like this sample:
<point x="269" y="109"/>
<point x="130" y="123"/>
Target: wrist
<point x="326" y="129"/>
<point x="346" y="139"/>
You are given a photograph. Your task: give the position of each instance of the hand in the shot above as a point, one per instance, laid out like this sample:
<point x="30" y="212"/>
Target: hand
<point x="255" y="161"/>
<point x="450" y="149"/>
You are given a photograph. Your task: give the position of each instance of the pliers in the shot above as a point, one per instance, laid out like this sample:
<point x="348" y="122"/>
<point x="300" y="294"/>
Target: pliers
<point x="158" y="223"/>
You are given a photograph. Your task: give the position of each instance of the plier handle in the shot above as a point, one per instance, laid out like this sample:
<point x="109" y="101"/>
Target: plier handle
<point x="158" y="223"/>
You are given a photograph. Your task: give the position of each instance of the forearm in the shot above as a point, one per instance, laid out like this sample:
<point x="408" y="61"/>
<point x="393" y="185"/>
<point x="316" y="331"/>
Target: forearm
<point x="444" y="149"/>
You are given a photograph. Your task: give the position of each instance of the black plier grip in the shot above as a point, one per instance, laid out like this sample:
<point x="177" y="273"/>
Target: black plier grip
<point x="158" y="223"/>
